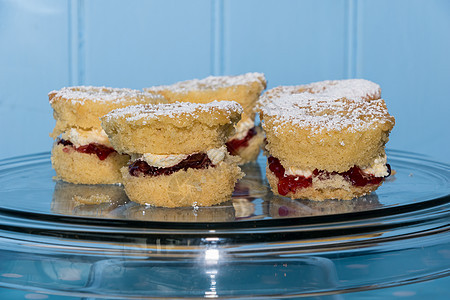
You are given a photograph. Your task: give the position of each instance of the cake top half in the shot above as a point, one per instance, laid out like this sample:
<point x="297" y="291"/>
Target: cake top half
<point x="82" y="106"/>
<point x="171" y="128"/>
<point x="86" y="94"/>
<point x="352" y="89"/>
<point x="322" y="112"/>
<point x="212" y="83"/>
<point x="214" y="113"/>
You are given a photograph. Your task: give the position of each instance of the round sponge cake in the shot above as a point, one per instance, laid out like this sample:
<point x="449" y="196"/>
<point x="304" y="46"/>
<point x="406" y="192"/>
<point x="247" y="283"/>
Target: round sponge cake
<point x="326" y="140"/>
<point x="178" y="153"/>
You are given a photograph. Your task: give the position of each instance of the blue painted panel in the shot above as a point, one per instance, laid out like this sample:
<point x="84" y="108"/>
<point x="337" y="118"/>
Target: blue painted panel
<point x="405" y="47"/>
<point x="33" y="61"/>
<point x="142" y="43"/>
<point x="292" y="42"/>
<point x="402" y="45"/>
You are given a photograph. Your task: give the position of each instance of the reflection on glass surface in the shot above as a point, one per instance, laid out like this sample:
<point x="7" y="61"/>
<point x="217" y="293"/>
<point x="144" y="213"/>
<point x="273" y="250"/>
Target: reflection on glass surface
<point x="87" y="200"/>
<point x="416" y="181"/>
<point x="110" y="201"/>
<point x="218" y="213"/>
<point x="248" y="194"/>
<point x="282" y="207"/>
<point x="252" y="185"/>
<point x="244" y="208"/>
<point x="251" y="200"/>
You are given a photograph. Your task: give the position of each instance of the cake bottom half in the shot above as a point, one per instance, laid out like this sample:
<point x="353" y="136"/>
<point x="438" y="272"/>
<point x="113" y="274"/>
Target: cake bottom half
<point x="191" y="187"/>
<point x="83" y="168"/>
<point x="333" y="187"/>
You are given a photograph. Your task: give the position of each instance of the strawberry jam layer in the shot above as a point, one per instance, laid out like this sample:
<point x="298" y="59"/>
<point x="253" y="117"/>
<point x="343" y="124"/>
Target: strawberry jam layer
<point x="290" y="183"/>
<point x="235" y="144"/>
<point x="194" y="161"/>
<point x="287" y="183"/>
<point x="100" y="150"/>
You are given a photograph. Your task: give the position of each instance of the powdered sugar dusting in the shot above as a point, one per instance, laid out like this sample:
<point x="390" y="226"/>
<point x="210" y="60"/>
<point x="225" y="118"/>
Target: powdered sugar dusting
<point x="81" y="94"/>
<point x="172" y="110"/>
<point x="211" y="82"/>
<point x="352" y="89"/>
<point x="323" y="112"/>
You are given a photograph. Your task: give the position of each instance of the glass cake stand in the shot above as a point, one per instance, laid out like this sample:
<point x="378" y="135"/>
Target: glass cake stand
<point x="256" y="245"/>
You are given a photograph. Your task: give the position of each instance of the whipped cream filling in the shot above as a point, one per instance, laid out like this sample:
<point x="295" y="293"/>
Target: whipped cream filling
<point x="378" y="169"/>
<point x="217" y="155"/>
<point x="80" y="137"/>
<point x="165" y="161"/>
<point x="294" y="171"/>
<point x="242" y="127"/>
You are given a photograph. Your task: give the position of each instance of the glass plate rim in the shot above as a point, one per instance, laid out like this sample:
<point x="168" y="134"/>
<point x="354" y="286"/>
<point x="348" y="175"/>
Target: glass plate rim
<point x="242" y="224"/>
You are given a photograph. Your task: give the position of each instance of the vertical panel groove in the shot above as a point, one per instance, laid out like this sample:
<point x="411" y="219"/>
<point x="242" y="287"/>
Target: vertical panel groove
<point x="217" y="38"/>
<point x="72" y="41"/>
<point x="352" y="38"/>
<point x="81" y="42"/>
<point x="357" y="39"/>
<point x="76" y="41"/>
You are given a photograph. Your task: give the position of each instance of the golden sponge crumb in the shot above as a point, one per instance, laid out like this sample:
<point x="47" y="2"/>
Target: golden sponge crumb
<point x="194" y="187"/>
<point x="75" y="167"/>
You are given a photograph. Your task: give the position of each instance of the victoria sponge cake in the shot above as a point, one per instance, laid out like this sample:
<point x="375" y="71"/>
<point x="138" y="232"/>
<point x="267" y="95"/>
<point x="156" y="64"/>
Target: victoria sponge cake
<point x="178" y="153"/>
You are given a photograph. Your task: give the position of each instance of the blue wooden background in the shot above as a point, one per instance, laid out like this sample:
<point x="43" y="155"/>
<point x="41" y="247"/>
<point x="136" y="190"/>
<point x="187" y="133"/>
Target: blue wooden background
<point x="403" y="45"/>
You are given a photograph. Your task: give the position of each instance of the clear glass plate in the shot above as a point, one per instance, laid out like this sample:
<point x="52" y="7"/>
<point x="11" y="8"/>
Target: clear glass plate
<point x="255" y="245"/>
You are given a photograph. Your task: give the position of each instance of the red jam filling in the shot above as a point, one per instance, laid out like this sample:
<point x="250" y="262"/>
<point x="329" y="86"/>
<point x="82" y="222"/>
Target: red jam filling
<point x="290" y="183"/>
<point x="100" y="150"/>
<point x="235" y="144"/>
<point x="287" y="183"/>
<point x="194" y="161"/>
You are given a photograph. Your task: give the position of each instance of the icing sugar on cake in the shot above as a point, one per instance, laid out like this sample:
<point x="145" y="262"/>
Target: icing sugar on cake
<point x="323" y="112"/>
<point x="173" y="110"/>
<point x="81" y="94"/>
<point x="352" y="89"/>
<point x="211" y="82"/>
